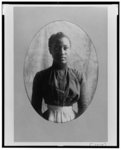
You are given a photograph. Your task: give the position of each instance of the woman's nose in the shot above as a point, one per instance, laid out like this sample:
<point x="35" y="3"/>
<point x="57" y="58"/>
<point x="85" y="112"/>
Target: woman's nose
<point x="62" y="51"/>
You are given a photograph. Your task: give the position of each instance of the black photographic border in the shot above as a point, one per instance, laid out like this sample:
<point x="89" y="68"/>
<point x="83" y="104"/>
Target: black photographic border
<point x="3" y="68"/>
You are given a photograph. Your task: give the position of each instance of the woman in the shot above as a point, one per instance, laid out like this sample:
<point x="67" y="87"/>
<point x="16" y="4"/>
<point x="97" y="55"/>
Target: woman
<point x="59" y="85"/>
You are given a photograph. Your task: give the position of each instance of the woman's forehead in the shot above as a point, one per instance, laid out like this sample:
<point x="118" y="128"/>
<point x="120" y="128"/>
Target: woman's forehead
<point x="63" y="41"/>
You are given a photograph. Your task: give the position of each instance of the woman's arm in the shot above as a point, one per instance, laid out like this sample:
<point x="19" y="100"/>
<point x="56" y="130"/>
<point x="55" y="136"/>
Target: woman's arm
<point x="88" y="86"/>
<point x="36" y="95"/>
<point x="84" y="97"/>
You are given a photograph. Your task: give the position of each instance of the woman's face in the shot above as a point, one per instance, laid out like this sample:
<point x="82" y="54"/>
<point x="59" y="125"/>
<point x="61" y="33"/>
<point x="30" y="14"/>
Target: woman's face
<point x="60" y="50"/>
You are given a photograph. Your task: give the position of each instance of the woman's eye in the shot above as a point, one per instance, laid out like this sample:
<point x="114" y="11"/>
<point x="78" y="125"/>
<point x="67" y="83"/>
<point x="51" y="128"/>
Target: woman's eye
<point x="56" y="48"/>
<point x="65" y="48"/>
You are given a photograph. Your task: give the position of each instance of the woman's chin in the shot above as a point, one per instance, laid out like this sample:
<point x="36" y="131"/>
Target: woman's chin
<point x="61" y="62"/>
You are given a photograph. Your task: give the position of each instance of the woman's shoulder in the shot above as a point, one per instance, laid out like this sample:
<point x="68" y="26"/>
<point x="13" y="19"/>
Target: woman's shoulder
<point x="74" y="72"/>
<point x="40" y="75"/>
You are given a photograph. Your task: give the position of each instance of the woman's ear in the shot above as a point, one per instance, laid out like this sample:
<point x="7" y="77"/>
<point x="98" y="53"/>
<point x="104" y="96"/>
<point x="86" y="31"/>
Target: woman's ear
<point x="50" y="51"/>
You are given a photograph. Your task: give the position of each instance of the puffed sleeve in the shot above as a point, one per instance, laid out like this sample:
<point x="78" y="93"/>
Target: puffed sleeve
<point x="36" y="94"/>
<point x="82" y="101"/>
<point x="84" y="97"/>
<point x="88" y="86"/>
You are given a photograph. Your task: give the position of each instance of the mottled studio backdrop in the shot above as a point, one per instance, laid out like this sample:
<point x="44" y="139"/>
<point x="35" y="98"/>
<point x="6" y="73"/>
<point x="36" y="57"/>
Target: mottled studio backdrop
<point x="28" y="125"/>
<point x="82" y="57"/>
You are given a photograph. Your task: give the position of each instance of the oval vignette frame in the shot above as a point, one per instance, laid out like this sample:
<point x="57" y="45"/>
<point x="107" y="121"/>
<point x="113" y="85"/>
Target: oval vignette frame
<point x="83" y="55"/>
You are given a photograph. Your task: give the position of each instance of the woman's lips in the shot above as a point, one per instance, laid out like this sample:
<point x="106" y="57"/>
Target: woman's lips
<point x="61" y="58"/>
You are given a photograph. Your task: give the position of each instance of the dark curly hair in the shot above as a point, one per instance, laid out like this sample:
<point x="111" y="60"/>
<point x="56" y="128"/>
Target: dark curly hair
<point x="55" y="37"/>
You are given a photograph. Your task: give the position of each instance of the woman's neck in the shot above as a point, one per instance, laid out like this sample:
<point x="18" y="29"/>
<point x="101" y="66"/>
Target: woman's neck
<point x="59" y="66"/>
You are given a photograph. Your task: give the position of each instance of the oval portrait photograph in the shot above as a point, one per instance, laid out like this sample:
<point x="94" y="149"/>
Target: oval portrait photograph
<point x="60" y="71"/>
